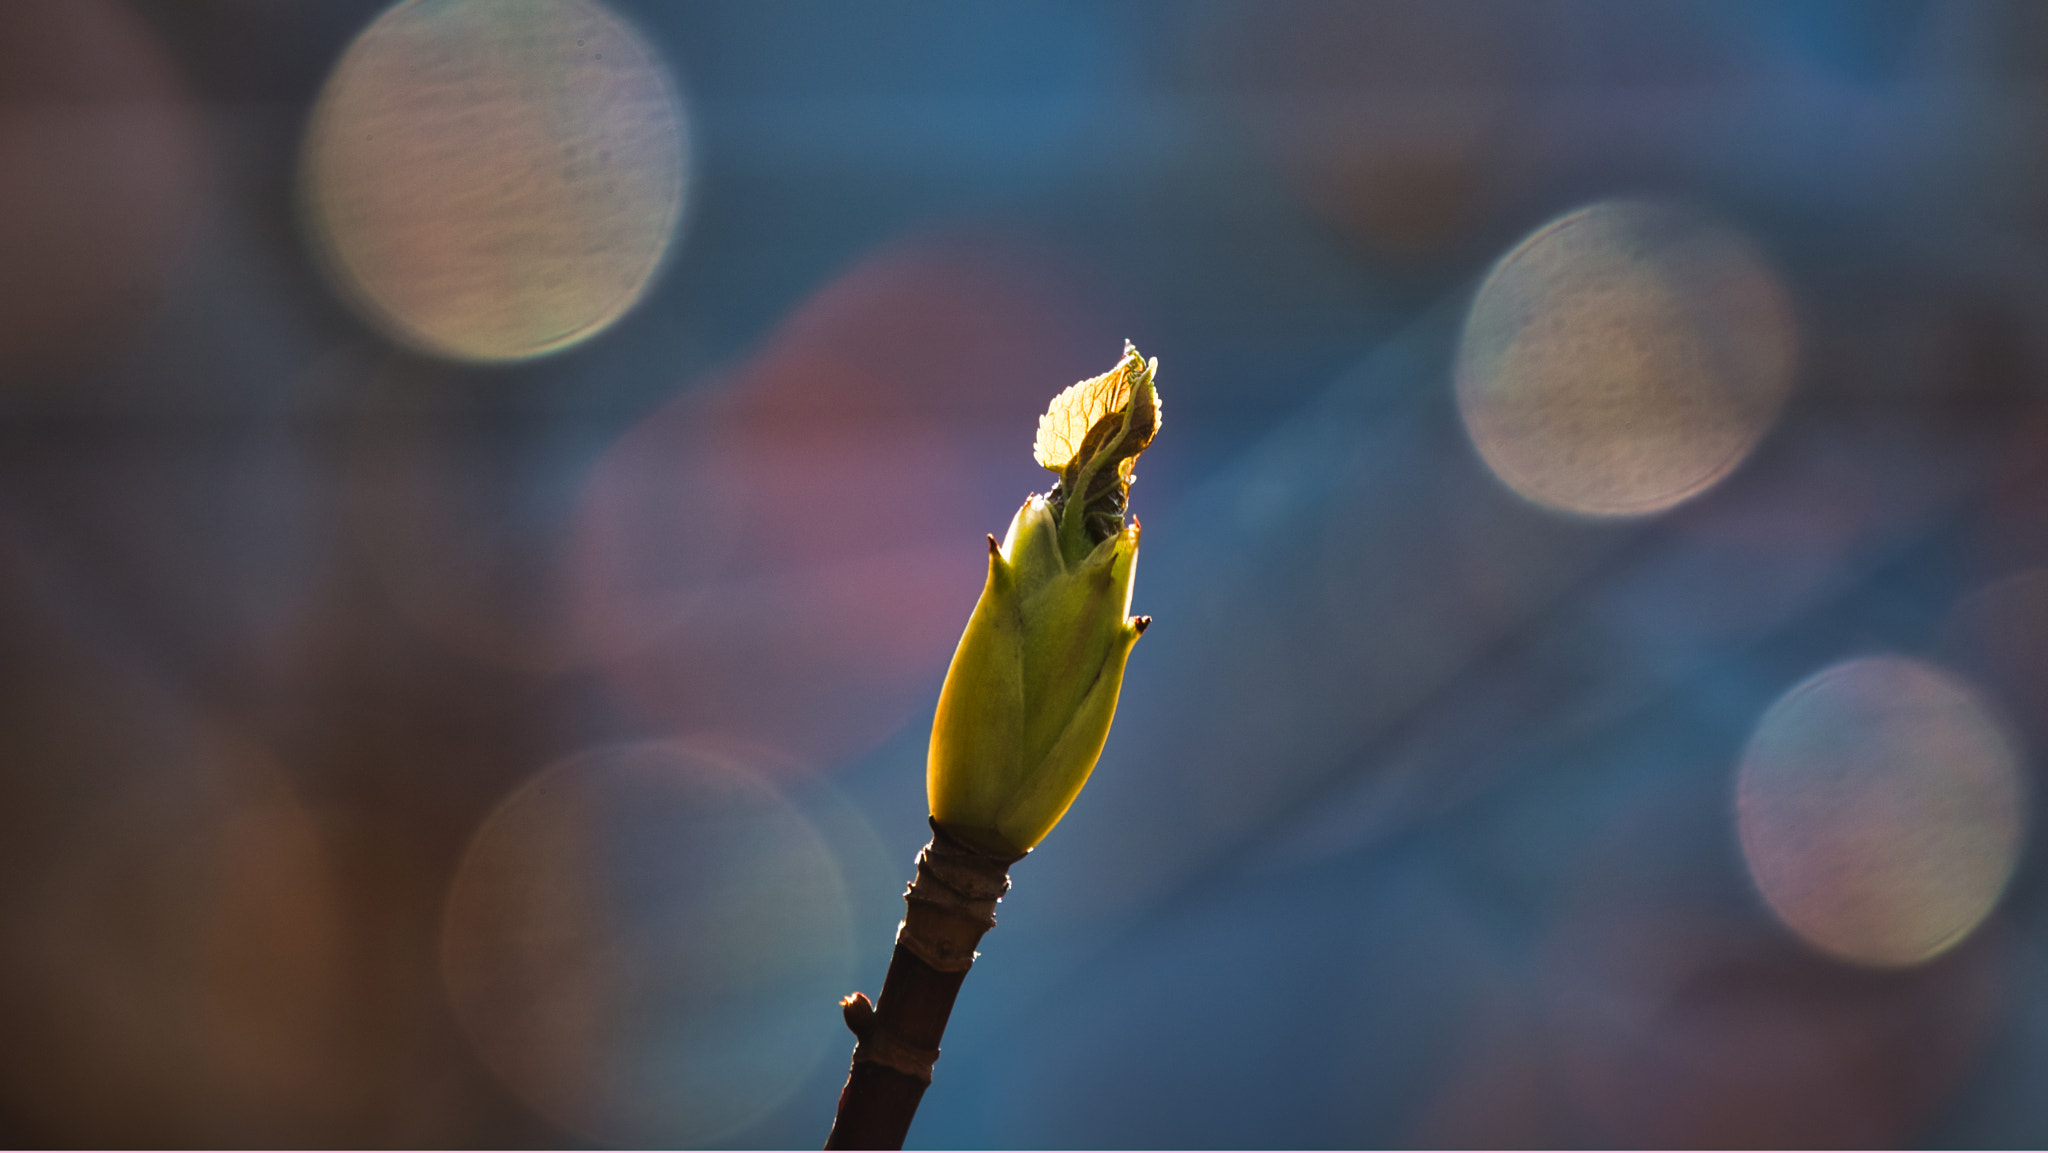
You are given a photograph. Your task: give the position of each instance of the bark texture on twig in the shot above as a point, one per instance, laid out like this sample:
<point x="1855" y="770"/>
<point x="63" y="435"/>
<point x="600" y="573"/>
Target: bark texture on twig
<point x="951" y="903"/>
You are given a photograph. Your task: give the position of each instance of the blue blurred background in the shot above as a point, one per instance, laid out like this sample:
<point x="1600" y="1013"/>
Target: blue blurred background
<point x="489" y="492"/>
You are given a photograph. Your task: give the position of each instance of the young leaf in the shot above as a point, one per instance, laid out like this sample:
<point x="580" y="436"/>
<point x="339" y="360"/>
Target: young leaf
<point x="1090" y="436"/>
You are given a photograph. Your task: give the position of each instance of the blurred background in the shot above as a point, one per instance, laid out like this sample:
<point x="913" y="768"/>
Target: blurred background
<point x="490" y="488"/>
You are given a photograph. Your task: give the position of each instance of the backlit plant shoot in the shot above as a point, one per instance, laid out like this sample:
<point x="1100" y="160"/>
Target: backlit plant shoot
<point x="1021" y="721"/>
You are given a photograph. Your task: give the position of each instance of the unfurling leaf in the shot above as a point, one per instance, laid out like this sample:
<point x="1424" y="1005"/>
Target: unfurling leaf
<point x="1091" y="436"/>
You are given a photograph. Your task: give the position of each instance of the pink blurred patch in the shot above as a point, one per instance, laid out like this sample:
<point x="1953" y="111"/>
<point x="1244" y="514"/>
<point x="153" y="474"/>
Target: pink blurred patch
<point x="1682" y="1025"/>
<point x="1396" y="121"/>
<point x="789" y="558"/>
<point x="100" y="179"/>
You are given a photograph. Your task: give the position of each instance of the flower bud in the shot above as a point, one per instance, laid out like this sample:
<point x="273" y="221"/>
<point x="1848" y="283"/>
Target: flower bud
<point x="1028" y="701"/>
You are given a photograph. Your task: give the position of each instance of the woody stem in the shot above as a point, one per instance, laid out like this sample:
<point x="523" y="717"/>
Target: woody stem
<point x="950" y="904"/>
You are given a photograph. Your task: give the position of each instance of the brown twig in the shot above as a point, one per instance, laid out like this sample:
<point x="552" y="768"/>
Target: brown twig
<point x="951" y="903"/>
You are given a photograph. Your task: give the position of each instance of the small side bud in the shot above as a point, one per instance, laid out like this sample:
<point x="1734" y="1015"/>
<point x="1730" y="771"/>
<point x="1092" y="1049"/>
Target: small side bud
<point x="859" y="1013"/>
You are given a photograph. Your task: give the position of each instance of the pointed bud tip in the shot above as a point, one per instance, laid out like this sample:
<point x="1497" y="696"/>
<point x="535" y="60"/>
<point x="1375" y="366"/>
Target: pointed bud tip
<point x="994" y="548"/>
<point x="1141" y="624"/>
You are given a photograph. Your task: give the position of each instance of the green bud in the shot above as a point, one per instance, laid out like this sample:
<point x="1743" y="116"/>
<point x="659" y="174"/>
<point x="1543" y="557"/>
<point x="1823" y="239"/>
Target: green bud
<point x="1028" y="701"/>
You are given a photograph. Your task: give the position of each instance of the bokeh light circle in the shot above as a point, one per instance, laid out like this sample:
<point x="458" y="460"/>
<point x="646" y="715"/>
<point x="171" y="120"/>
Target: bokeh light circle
<point x="494" y="179"/>
<point x="1624" y="358"/>
<point x="637" y="942"/>
<point x="1880" y="807"/>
